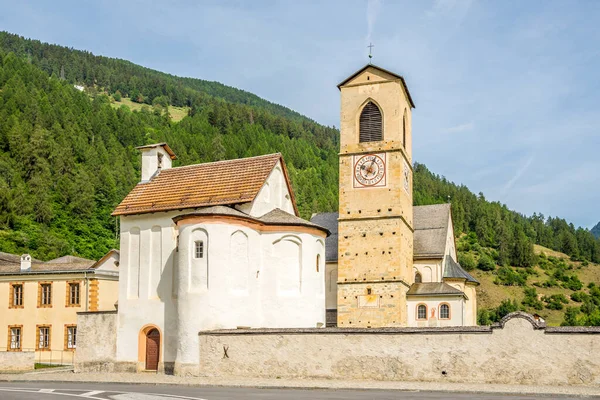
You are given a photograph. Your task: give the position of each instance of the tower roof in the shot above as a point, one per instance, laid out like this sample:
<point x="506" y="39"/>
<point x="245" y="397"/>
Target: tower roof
<point x="400" y="77"/>
<point x="165" y="146"/>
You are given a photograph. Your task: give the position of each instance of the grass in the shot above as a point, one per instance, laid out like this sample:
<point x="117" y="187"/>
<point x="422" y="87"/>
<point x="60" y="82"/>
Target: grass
<point x="44" y="366"/>
<point x="176" y="113"/>
<point x="490" y="295"/>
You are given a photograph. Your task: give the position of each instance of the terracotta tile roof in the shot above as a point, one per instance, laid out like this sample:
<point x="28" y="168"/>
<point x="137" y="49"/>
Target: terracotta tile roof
<point x="217" y="183"/>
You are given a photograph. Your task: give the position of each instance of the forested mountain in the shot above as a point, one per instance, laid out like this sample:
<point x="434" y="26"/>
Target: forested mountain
<point x="596" y="230"/>
<point x="67" y="158"/>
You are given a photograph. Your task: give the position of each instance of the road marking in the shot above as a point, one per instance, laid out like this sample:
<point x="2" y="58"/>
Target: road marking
<point x="92" y="393"/>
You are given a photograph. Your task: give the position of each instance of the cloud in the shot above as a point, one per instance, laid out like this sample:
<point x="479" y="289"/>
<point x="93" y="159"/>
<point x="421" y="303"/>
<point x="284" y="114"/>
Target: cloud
<point x="373" y="7"/>
<point x="518" y="174"/>
<point x="468" y="126"/>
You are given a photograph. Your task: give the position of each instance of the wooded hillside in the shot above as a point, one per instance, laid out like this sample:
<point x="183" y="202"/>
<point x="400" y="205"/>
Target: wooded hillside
<point x="67" y="158"/>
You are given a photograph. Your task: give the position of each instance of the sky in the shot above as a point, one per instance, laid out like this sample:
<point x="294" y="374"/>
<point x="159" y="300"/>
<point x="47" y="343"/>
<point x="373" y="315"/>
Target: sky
<point x="506" y="92"/>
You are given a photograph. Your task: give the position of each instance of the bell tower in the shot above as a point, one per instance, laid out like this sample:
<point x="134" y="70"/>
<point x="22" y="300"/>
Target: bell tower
<point x="375" y="225"/>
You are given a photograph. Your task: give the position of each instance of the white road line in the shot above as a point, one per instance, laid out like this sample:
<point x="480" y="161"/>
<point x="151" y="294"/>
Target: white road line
<point x="92" y="393"/>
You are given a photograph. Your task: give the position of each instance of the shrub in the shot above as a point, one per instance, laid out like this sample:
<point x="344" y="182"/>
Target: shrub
<point x="467" y="261"/>
<point x="555" y="302"/>
<point x="486" y="263"/>
<point x="531" y="299"/>
<point x="117" y="95"/>
<point x="509" y="277"/>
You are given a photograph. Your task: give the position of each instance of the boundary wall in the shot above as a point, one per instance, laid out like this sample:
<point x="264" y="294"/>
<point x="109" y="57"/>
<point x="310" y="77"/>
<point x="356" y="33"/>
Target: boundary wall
<point x="518" y="350"/>
<point x="17" y="361"/>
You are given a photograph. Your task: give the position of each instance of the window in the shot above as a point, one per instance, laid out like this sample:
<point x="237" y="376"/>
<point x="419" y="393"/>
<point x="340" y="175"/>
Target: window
<point x="404" y="130"/>
<point x="45" y="295"/>
<point x="70" y="337"/>
<point x="421" y="311"/>
<point x="16" y="295"/>
<point x="444" y="311"/>
<point x="371" y="128"/>
<point x="318" y="261"/>
<point x="418" y="278"/>
<point x="43" y="335"/>
<point x="14" y="334"/>
<point x="199" y="249"/>
<point x="73" y="294"/>
<point x="159" y="160"/>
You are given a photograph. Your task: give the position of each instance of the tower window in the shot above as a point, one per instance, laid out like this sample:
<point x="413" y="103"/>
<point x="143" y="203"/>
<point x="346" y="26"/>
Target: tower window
<point x="159" y="160"/>
<point x="404" y="130"/>
<point x="318" y="261"/>
<point x="371" y="127"/>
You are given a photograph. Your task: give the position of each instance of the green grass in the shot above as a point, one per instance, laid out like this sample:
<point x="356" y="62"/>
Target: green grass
<point x="176" y="113"/>
<point x="44" y="366"/>
<point x="490" y="295"/>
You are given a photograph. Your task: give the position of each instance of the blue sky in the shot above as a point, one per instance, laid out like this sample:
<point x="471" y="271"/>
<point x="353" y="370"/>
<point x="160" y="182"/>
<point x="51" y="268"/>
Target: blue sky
<point x="507" y="92"/>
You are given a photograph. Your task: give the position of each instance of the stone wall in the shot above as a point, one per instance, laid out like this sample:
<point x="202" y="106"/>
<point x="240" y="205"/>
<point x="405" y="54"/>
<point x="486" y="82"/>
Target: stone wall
<point x="96" y="341"/>
<point x="17" y="361"/>
<point x="517" y="350"/>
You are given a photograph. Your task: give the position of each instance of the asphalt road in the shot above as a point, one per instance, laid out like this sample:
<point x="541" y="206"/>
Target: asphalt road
<point x="113" y="391"/>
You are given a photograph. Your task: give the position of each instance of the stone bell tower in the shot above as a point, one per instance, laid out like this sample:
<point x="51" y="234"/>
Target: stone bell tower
<point x="375" y="259"/>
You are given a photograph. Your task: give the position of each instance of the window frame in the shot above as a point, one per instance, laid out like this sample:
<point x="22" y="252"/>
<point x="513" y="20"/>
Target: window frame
<point x="69" y="295"/>
<point x="198" y="245"/>
<point x="38" y="331"/>
<point x="11" y="296"/>
<point x="73" y="345"/>
<point x="360" y="116"/>
<point x="426" y="312"/>
<point x="10" y="338"/>
<point x="42" y="296"/>
<point x="440" y="311"/>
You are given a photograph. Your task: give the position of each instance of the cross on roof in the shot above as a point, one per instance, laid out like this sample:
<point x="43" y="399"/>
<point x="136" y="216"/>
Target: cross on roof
<point x="370" y="46"/>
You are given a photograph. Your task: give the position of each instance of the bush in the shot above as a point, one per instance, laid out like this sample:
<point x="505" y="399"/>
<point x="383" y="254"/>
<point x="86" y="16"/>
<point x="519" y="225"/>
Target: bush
<point x="467" y="261"/>
<point x="555" y="302"/>
<point x="579" y="296"/>
<point x="117" y="96"/>
<point x="508" y="277"/>
<point x="486" y="263"/>
<point x="531" y="299"/>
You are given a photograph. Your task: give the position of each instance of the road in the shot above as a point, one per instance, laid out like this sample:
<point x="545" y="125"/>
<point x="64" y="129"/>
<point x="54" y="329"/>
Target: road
<point x="113" y="391"/>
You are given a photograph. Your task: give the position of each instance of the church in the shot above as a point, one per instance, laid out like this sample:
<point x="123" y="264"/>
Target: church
<point x="388" y="263"/>
<point x="221" y="245"/>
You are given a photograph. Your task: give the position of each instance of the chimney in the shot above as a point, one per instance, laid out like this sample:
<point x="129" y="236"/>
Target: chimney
<point x="25" y="262"/>
<point x="155" y="157"/>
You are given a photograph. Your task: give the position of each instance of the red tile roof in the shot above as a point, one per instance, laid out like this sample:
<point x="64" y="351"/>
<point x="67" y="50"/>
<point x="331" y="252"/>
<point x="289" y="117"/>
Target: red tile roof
<point x="217" y="183"/>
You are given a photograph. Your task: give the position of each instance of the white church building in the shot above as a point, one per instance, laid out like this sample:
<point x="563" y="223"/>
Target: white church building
<point x="210" y="246"/>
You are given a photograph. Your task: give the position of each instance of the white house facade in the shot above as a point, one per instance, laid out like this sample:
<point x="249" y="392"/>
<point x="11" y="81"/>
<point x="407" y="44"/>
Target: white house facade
<point x="212" y="246"/>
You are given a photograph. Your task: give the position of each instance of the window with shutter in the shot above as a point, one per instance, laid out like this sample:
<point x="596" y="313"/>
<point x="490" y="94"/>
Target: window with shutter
<point x="371" y="127"/>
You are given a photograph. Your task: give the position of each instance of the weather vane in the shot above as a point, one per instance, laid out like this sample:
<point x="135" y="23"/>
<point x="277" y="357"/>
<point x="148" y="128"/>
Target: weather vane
<point x="370" y="46"/>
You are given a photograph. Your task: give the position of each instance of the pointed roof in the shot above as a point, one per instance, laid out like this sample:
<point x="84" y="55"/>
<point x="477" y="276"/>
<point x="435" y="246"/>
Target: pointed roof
<point x="452" y="269"/>
<point x="202" y="185"/>
<point x="410" y="100"/>
<point x="164" y="145"/>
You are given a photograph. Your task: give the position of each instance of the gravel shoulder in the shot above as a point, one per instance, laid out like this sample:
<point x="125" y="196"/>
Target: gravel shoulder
<point x="161" y="379"/>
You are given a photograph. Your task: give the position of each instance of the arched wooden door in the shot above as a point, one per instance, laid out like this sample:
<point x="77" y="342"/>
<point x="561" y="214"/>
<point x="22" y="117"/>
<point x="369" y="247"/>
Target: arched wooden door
<point x="152" y="349"/>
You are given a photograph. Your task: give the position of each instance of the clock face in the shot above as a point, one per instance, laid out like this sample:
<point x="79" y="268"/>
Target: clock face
<point x="369" y="170"/>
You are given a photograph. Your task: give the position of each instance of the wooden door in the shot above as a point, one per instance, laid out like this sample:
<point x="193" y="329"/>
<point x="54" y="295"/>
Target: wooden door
<point x="152" y="349"/>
